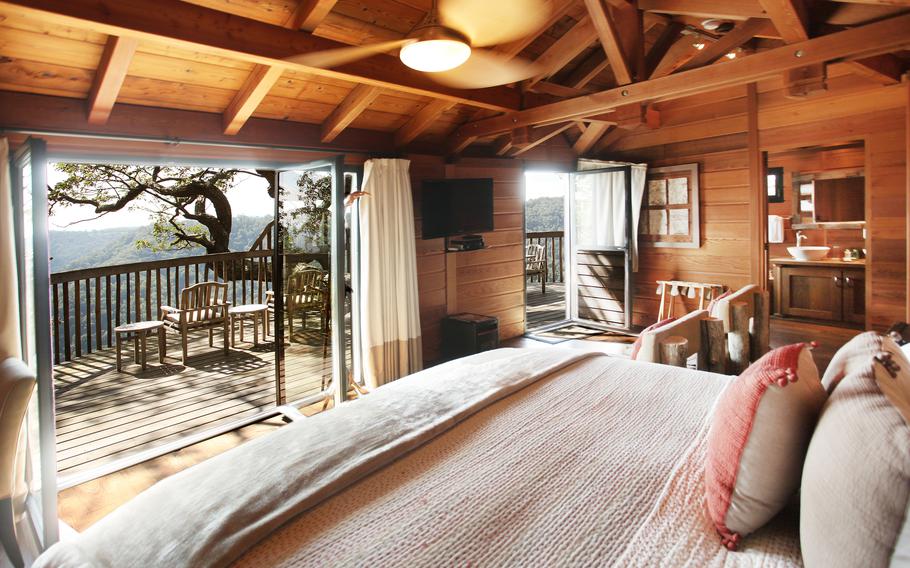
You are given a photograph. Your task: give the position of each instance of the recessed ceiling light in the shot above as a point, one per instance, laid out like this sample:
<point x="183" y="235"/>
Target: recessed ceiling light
<point x="731" y="55"/>
<point x="698" y="45"/>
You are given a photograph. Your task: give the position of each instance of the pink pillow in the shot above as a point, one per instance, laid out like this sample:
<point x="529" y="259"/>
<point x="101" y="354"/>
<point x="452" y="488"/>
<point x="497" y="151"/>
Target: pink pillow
<point x="636" y="347"/>
<point x="759" y="435"/>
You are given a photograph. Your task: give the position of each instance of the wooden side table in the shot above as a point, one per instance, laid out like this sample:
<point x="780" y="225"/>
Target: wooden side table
<point x="138" y="332"/>
<point x="258" y="313"/>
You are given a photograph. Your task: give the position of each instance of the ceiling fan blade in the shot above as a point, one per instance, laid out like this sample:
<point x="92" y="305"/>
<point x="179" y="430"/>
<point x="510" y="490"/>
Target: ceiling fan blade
<point x="486" y="69"/>
<point x="334" y="57"/>
<point x="491" y="22"/>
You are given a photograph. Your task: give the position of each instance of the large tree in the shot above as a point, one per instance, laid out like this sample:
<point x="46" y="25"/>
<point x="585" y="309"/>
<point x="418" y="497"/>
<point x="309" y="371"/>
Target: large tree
<point x="188" y="205"/>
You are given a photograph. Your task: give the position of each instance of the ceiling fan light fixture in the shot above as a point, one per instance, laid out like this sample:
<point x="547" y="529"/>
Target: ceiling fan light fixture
<point x="435" y="55"/>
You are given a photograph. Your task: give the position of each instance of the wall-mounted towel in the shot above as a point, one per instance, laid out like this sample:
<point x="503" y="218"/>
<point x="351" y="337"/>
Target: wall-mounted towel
<point x="775" y="229"/>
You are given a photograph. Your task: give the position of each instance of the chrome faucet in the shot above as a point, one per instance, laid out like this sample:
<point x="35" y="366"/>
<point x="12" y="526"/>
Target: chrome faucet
<point x="800" y="237"/>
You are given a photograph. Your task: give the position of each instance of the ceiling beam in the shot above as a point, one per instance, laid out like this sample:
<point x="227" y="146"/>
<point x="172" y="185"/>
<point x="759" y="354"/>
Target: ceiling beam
<point x="588" y="70"/>
<point x="857" y="43"/>
<point x="885" y="69"/>
<point x="350" y="108"/>
<point x="610" y="40"/>
<point x="558" y="9"/>
<point x="257" y="85"/>
<point x="610" y="138"/>
<point x="662" y="45"/>
<point x="546" y="133"/>
<point x="679" y="53"/>
<point x="743" y="32"/>
<point x="309" y="14"/>
<point x="723" y="9"/>
<point x="203" y="29"/>
<point x="115" y="61"/>
<point x="422" y="120"/>
<point x="589" y="137"/>
<point x="565" y="49"/>
<point x="790" y="17"/>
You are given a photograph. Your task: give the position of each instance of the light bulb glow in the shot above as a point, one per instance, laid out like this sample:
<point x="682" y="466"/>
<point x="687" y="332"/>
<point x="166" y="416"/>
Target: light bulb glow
<point x="731" y="55"/>
<point x="698" y="45"/>
<point x="435" y="55"/>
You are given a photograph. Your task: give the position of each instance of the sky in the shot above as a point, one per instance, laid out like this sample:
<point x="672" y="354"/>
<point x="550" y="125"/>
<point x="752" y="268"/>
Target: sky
<point x="545" y="184"/>
<point x="248" y="197"/>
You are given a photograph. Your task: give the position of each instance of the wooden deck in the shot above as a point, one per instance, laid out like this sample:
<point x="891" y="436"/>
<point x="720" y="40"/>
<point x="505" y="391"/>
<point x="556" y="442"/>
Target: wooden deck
<point x="105" y="415"/>
<point x="544" y="309"/>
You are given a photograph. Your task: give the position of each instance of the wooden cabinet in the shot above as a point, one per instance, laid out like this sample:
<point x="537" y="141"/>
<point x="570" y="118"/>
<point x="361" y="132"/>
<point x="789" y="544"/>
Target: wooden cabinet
<point x="824" y="293"/>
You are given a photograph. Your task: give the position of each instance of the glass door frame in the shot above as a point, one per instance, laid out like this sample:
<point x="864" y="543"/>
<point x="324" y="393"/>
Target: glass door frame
<point x="41" y="513"/>
<point x="571" y="251"/>
<point x="336" y="169"/>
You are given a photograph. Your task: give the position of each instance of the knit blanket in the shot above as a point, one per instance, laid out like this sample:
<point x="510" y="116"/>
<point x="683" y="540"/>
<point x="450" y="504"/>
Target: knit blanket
<point x="209" y="514"/>
<point x="512" y="458"/>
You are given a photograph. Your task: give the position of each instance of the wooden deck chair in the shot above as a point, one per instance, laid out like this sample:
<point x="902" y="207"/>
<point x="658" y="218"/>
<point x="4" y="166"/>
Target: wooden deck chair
<point x="305" y="293"/>
<point x="202" y="306"/>
<point x="536" y="263"/>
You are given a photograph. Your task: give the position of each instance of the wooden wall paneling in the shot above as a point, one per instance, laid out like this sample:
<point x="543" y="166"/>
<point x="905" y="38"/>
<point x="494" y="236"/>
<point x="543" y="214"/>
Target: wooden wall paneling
<point x="907" y="167"/>
<point x="758" y="198"/>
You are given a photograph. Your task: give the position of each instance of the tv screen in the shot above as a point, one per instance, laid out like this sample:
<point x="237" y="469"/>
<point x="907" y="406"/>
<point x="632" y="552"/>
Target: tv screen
<point x="457" y="207"/>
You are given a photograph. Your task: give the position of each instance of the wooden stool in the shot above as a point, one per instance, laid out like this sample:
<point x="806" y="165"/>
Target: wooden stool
<point x="256" y="312"/>
<point x="674" y="351"/>
<point x="139" y="331"/>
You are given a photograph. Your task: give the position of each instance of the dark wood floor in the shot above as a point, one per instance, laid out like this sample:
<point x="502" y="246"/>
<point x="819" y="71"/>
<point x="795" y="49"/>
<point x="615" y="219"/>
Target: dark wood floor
<point x="104" y="415"/>
<point x="829" y="338"/>
<point x="545" y="308"/>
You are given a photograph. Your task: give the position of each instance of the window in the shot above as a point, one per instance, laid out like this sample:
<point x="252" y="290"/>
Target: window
<point x="775" y="185"/>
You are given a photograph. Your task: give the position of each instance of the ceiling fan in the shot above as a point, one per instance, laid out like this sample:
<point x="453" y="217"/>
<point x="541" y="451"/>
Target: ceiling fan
<point x="444" y="44"/>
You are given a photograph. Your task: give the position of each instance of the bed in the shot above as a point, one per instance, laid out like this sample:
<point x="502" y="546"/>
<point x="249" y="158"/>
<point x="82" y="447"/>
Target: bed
<point x="511" y="457"/>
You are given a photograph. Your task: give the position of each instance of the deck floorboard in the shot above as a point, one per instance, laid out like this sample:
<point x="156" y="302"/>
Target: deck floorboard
<point x="105" y="415"/>
<point x="545" y="309"/>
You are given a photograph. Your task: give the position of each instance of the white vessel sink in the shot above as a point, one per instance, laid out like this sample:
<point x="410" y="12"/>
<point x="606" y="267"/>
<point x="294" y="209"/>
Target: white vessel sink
<point x="808" y="253"/>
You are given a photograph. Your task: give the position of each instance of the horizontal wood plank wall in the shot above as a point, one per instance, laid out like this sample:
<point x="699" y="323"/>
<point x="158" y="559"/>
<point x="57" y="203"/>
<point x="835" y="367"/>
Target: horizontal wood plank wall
<point x="489" y="281"/>
<point x="711" y="130"/>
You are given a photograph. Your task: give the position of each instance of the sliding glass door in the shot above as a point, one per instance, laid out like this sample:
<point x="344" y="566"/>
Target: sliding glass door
<point x="312" y="271"/>
<point x="29" y="189"/>
<point x="599" y="234"/>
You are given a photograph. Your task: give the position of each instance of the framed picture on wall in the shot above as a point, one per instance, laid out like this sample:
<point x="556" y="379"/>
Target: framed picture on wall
<point x="669" y="210"/>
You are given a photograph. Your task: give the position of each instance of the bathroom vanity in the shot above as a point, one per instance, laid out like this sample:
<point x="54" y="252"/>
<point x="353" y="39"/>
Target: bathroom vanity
<point x="828" y="290"/>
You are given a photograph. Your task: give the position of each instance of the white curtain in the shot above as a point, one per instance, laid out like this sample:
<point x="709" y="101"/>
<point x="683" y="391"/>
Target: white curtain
<point x="9" y="307"/>
<point x="608" y="195"/>
<point x="390" y="341"/>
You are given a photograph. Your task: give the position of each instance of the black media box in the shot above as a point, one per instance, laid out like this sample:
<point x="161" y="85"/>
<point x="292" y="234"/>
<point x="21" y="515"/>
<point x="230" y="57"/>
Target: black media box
<point x="467" y="334"/>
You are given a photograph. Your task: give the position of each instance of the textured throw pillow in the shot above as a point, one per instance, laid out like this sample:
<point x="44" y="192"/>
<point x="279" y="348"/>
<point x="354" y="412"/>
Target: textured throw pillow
<point x="855" y="493"/>
<point x="759" y="434"/>
<point x="636" y="347"/>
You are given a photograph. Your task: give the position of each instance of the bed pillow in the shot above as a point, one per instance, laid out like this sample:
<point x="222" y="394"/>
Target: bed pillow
<point x="636" y="347"/>
<point x="759" y="434"/>
<point x="855" y="494"/>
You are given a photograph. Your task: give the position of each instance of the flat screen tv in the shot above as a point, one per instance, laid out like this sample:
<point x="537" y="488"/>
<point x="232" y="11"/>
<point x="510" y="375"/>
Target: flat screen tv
<point x="457" y="207"/>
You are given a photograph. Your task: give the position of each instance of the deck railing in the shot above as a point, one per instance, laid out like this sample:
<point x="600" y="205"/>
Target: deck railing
<point x="552" y="242"/>
<point x="88" y="304"/>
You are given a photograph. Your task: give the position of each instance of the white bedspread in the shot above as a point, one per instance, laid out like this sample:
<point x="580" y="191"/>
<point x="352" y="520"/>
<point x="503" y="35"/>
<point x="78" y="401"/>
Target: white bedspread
<point x="600" y="463"/>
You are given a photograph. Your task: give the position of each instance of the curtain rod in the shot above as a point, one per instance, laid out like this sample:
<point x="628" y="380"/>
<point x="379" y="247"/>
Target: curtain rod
<point x="178" y="141"/>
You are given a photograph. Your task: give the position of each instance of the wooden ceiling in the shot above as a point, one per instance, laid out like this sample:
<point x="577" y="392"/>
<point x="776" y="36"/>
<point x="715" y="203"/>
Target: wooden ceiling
<point x="190" y="55"/>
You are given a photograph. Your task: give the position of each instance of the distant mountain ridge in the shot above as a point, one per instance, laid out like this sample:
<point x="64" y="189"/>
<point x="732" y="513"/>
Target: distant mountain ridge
<point x="74" y="250"/>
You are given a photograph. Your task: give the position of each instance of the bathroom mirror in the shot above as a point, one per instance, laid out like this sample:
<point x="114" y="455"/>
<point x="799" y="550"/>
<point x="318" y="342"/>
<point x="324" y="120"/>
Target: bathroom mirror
<point x="828" y="198"/>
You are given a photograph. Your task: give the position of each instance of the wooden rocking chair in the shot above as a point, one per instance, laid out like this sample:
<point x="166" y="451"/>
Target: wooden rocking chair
<point x="200" y="307"/>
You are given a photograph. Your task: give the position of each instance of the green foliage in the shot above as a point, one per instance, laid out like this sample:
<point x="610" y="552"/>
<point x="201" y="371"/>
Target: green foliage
<point x="544" y="214"/>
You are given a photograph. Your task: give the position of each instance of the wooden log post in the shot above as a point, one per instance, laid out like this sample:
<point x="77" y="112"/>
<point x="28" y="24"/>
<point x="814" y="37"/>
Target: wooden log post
<point x="738" y="338"/>
<point x="713" y="353"/>
<point x="674" y="351"/>
<point x="760" y="332"/>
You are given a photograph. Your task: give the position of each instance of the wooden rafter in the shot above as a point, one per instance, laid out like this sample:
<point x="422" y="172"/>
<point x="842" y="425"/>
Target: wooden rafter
<point x="350" y="108"/>
<point x="257" y="85"/>
<point x="723" y="9"/>
<point x="545" y="134"/>
<point x="422" y="120"/>
<point x="661" y="46"/>
<point x="203" y="29"/>
<point x="310" y="13"/>
<point x="558" y="9"/>
<point x="736" y="37"/>
<point x="589" y="137"/>
<point x="885" y="69"/>
<point x="587" y="70"/>
<point x="610" y="138"/>
<point x="115" y="61"/>
<point x="676" y="56"/>
<point x="610" y="40"/>
<point x="565" y="49"/>
<point x="857" y="43"/>
<point x="790" y="17"/>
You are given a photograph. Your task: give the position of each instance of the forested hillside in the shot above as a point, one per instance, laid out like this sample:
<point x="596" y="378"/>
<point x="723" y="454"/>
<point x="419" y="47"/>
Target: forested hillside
<point x="72" y="250"/>
<point x="544" y="214"/>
